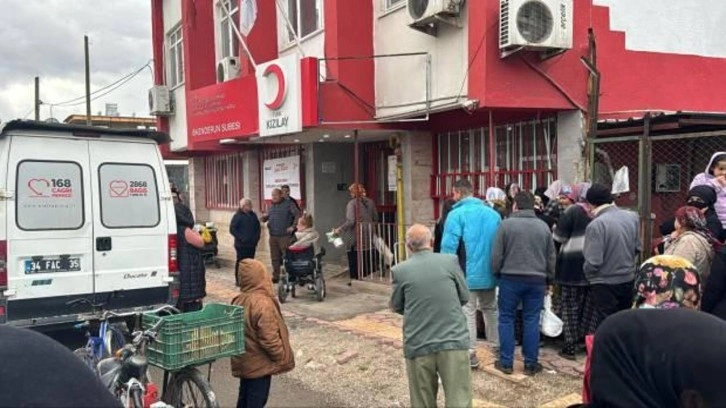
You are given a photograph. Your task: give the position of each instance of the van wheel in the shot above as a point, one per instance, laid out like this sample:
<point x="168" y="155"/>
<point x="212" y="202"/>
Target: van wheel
<point x="282" y="290"/>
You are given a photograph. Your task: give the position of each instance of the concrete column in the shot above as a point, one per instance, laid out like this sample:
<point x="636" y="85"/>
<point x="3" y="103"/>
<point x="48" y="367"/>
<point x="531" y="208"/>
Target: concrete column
<point x="570" y="139"/>
<point x="196" y="199"/>
<point x="251" y="178"/>
<point x="417" y="169"/>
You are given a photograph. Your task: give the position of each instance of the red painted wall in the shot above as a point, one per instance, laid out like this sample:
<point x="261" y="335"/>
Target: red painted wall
<point x="631" y="80"/>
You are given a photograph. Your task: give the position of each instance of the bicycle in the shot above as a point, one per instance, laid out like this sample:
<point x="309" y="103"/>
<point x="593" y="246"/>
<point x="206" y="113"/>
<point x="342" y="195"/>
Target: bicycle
<point x="126" y="374"/>
<point x="109" y="339"/>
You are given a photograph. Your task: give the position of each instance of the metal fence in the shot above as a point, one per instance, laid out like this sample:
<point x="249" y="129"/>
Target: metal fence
<point x="379" y="248"/>
<point x="660" y="171"/>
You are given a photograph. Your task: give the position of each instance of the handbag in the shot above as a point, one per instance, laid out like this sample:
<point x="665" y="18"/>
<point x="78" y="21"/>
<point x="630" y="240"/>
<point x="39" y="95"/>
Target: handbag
<point x="549" y="324"/>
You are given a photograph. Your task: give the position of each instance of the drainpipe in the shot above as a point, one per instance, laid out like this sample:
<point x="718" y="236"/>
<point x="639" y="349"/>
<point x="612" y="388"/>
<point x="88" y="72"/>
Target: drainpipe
<point x="400" y="221"/>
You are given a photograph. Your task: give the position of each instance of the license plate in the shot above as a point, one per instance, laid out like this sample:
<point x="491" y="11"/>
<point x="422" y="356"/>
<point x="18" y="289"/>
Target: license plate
<point x="52" y="265"/>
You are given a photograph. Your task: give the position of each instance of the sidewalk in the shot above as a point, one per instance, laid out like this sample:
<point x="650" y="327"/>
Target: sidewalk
<point x="349" y="347"/>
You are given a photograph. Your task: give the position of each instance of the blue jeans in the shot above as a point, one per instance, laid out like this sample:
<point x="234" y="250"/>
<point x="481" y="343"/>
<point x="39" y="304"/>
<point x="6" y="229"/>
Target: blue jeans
<point x="531" y="295"/>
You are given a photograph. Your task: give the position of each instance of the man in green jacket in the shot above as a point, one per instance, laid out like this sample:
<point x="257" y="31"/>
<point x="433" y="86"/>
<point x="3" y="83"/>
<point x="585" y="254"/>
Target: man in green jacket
<point x="429" y="291"/>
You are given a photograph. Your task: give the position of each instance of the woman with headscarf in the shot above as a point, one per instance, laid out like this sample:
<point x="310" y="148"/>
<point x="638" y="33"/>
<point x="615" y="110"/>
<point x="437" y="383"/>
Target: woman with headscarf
<point x="692" y="240"/>
<point x="497" y="199"/>
<point x="362" y="211"/>
<point x="659" y="358"/>
<point x="703" y="198"/>
<point x="192" y="280"/>
<point x="511" y="190"/>
<point x="575" y="304"/>
<point x="667" y="282"/>
<point x="554" y="209"/>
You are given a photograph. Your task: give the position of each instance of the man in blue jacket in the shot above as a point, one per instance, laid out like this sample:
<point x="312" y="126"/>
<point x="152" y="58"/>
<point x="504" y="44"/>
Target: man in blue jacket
<point x="469" y="233"/>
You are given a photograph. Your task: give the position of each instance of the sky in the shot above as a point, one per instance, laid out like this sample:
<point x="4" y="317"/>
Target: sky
<point x="45" y="38"/>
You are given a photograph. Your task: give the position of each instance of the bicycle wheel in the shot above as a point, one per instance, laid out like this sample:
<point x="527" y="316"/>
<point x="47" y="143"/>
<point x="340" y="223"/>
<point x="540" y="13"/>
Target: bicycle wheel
<point x="113" y="340"/>
<point x="189" y="388"/>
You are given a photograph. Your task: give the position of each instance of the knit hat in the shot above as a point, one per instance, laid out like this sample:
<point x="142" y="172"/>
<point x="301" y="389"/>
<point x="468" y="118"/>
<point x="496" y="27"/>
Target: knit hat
<point x="599" y="194"/>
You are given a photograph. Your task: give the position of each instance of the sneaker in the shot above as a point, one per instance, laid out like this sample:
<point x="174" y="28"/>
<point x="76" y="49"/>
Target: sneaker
<point x="533" y="369"/>
<point x="567" y="355"/>
<point x="505" y="370"/>
<point x="473" y="361"/>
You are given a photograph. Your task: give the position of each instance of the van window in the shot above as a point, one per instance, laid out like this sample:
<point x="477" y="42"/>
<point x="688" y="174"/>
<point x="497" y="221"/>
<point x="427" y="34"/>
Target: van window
<point x="49" y="195"/>
<point x="129" y="197"/>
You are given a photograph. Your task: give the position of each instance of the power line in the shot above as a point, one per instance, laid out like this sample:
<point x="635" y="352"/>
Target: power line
<point x="120" y="81"/>
<point x="100" y="95"/>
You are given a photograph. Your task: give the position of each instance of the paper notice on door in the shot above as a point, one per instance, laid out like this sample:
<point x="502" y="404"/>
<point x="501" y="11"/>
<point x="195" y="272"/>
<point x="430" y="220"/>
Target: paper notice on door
<point x="621" y="181"/>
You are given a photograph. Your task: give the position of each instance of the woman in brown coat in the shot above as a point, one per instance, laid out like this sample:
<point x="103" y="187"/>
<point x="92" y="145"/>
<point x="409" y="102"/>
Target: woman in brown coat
<point x="267" y="342"/>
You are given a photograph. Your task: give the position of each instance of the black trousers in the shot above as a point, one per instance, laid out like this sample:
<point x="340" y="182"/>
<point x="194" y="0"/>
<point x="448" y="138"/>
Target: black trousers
<point x="610" y="299"/>
<point x="369" y="262"/>
<point x="253" y="393"/>
<point x="192" y="306"/>
<point x="242" y="253"/>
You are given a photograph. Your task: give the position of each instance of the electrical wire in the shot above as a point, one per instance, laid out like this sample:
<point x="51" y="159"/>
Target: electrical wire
<point x="116" y="84"/>
<point x="471" y="62"/>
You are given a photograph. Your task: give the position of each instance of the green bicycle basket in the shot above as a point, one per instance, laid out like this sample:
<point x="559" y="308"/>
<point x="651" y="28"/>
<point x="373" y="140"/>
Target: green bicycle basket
<point x="195" y="338"/>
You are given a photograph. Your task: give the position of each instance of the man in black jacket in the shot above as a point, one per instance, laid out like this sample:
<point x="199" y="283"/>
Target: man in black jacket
<point x="245" y="228"/>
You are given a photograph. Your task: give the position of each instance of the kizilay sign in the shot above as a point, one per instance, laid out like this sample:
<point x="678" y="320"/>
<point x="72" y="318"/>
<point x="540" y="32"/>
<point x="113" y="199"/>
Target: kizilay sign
<point x="279" y="93"/>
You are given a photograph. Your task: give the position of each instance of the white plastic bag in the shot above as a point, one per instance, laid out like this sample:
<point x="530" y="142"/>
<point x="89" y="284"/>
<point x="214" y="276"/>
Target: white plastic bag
<point x="549" y="324"/>
<point x="383" y="249"/>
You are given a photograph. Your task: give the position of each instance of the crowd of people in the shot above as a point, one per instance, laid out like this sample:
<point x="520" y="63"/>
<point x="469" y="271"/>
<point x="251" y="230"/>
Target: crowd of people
<point x="514" y="247"/>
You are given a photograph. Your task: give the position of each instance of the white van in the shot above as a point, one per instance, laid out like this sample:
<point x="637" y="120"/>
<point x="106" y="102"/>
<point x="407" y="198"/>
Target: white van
<point x="85" y="213"/>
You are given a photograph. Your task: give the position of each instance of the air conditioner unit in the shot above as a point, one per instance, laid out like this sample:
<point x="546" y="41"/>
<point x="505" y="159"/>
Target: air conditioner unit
<point x="228" y="68"/>
<point x="539" y="25"/>
<point x="426" y="14"/>
<point x="160" y="101"/>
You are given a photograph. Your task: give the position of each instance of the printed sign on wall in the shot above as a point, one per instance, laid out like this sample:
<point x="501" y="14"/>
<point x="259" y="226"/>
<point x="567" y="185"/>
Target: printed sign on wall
<point x="278" y="172"/>
<point x="279" y="95"/>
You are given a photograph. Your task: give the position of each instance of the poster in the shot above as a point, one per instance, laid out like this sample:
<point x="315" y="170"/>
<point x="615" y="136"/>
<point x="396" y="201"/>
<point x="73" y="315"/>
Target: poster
<point x="278" y="172"/>
<point x="392" y="173"/>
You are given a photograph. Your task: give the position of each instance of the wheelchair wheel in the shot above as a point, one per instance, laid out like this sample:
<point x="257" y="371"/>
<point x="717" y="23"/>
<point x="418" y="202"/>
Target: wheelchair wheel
<point x="282" y="289"/>
<point x="320" y="291"/>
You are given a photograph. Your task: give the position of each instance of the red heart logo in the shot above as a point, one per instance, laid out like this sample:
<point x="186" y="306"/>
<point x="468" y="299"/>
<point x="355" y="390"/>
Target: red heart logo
<point x="119" y="188"/>
<point x="38" y="186"/>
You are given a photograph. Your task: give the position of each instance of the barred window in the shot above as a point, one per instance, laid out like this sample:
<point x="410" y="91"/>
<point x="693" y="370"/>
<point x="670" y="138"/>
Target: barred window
<point x="223" y="181"/>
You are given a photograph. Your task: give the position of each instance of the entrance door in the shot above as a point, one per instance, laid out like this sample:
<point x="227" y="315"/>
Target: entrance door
<point x="49" y="227"/>
<point x="130" y="229"/>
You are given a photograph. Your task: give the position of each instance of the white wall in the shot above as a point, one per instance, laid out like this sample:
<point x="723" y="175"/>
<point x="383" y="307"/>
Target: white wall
<point x="177" y="122"/>
<point x="312" y="46"/>
<point x="670" y="26"/>
<point x="402" y="80"/>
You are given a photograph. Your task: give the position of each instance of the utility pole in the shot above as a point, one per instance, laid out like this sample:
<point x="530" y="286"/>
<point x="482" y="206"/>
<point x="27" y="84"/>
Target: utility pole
<point x="37" y="98"/>
<point x="88" y="82"/>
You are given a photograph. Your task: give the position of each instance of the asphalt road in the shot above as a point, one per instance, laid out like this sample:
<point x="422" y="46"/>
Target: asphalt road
<point x="285" y="392"/>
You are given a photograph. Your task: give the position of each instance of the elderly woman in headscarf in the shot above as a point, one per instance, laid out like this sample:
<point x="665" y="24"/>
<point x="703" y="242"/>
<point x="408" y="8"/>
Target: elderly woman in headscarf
<point x="575" y="303"/>
<point x="692" y="240"/>
<point x="703" y="198"/>
<point x="497" y="199"/>
<point x="554" y="207"/>
<point x="667" y="282"/>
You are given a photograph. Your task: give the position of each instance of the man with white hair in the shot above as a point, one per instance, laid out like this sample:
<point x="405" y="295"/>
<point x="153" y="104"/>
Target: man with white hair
<point x="245" y="228"/>
<point x="429" y="291"/>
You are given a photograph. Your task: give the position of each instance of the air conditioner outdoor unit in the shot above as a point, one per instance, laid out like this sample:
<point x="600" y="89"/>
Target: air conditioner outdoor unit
<point x="228" y="68"/>
<point x="426" y="14"/>
<point x="539" y="25"/>
<point x="160" y="101"/>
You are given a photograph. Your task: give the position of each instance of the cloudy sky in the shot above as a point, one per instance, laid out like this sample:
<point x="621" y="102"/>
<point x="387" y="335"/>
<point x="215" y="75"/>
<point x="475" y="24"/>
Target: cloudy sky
<point x="45" y="38"/>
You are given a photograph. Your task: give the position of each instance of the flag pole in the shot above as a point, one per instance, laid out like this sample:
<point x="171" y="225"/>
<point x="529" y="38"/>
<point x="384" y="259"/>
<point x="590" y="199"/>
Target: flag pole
<point x="236" y="31"/>
<point x="290" y="28"/>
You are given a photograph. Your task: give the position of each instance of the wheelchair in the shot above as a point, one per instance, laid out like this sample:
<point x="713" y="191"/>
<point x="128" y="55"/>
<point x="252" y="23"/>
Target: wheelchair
<point x="302" y="268"/>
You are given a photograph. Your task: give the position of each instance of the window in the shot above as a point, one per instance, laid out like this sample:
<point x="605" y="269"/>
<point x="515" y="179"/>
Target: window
<point x="176" y="57"/>
<point x="223" y="181"/>
<point x="392" y="3"/>
<point x="228" y="40"/>
<point x="306" y="17"/>
<point x="129" y="197"/>
<point x="49" y="196"/>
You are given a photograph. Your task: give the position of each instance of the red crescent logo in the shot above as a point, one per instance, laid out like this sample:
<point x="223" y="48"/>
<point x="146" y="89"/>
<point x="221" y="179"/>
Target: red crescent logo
<point x="275" y="70"/>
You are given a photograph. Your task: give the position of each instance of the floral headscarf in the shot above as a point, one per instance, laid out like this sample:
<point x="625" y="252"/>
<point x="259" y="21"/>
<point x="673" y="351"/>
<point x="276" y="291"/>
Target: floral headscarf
<point x="692" y="219"/>
<point x="553" y="192"/>
<point x="667" y="282"/>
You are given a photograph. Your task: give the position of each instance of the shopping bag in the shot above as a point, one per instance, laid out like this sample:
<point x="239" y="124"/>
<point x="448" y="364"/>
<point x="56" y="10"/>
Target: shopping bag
<point x="383" y="249"/>
<point x="549" y="324"/>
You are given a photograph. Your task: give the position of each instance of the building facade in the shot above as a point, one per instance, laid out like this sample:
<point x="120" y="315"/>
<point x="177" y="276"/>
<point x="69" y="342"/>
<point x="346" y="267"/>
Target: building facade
<point x="336" y="91"/>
